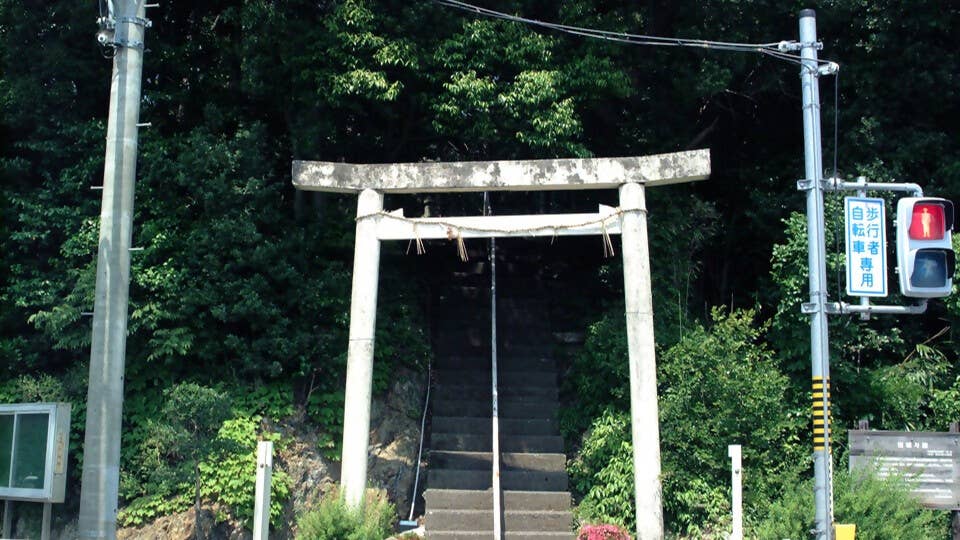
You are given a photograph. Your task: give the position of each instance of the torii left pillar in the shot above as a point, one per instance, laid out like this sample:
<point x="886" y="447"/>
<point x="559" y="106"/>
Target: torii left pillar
<point x="363" y="322"/>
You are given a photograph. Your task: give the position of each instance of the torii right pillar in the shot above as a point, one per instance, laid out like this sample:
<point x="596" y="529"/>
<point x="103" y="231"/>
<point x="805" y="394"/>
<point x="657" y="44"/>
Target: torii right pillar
<point x="644" y="415"/>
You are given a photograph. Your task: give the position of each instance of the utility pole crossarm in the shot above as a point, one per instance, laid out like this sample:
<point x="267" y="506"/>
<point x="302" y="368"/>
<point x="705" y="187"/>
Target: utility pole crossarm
<point x="521" y="175"/>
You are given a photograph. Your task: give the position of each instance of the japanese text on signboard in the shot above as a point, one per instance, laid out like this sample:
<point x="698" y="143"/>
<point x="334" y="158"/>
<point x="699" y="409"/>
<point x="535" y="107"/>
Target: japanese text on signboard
<point x="866" y="237"/>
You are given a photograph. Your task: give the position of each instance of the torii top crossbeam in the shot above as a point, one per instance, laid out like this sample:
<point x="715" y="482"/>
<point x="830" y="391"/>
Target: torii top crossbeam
<point x="522" y="175"/>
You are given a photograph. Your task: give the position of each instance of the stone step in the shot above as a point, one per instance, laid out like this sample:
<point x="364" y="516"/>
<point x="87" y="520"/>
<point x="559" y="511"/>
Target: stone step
<point x="513" y="521"/>
<point x="456" y="295"/>
<point x="519" y="461"/>
<point x="509" y="408"/>
<point x="525" y="288"/>
<point x="476" y="342"/>
<point x="472" y="442"/>
<point x="516" y="500"/>
<point x="512" y="480"/>
<point x="462" y="311"/>
<point x="483" y="392"/>
<point x="529" y="299"/>
<point x="523" y="349"/>
<point x="505" y="361"/>
<point x="463" y="349"/>
<point x="472" y="267"/>
<point x="447" y="344"/>
<point x="505" y="377"/>
<point x="483" y="426"/>
<point x="519" y="337"/>
<point x="451" y="280"/>
<point x="475" y="330"/>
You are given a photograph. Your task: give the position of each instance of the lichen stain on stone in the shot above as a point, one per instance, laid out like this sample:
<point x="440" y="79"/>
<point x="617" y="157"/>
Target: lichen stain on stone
<point x="475" y="175"/>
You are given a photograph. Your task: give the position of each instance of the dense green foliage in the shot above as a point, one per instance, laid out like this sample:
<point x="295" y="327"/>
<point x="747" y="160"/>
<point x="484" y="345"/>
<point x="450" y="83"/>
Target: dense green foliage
<point x="881" y="509"/>
<point x="718" y="386"/>
<point x="242" y="285"/>
<point x="333" y="519"/>
<point x="197" y="448"/>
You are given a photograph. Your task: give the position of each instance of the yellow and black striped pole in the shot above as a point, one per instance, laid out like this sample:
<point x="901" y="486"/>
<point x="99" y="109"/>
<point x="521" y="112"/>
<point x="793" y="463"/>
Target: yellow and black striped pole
<point x="821" y="411"/>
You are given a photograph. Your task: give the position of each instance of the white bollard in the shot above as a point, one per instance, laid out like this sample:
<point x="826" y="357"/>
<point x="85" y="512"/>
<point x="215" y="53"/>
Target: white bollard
<point x="7" y="518"/>
<point x="261" y="505"/>
<point x="736" y="490"/>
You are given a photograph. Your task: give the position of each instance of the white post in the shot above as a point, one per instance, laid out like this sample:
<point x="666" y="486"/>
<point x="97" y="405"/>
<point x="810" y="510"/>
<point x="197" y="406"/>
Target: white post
<point x="261" y="504"/>
<point x="45" y="521"/>
<point x="363" y="319"/>
<point x="643" y="363"/>
<point x="736" y="490"/>
<point x="7" y="518"/>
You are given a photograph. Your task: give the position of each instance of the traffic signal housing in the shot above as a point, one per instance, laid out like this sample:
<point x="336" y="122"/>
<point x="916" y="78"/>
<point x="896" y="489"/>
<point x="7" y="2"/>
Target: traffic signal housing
<point x="925" y="254"/>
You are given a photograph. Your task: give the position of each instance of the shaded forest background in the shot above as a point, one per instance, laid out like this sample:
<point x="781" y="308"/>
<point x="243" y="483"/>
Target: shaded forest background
<point x="242" y="285"/>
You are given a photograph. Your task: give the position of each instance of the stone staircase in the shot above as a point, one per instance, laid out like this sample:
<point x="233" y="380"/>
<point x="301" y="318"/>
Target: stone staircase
<point x="459" y="496"/>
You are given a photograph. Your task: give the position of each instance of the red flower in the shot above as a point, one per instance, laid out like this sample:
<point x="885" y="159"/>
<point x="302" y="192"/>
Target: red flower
<point x="602" y="532"/>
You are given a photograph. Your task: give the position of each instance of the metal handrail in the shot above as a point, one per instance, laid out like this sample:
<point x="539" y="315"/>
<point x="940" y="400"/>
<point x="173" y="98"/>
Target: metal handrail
<point x="495" y="447"/>
<point x="423" y="424"/>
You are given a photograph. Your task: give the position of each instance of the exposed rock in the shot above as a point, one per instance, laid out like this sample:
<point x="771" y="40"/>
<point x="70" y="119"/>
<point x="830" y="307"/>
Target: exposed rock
<point x="395" y="438"/>
<point x="311" y="475"/>
<point x="181" y="527"/>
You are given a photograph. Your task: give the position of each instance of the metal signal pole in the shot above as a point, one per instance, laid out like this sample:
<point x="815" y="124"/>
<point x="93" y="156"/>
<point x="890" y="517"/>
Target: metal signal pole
<point x="816" y="308"/>
<point x="123" y="31"/>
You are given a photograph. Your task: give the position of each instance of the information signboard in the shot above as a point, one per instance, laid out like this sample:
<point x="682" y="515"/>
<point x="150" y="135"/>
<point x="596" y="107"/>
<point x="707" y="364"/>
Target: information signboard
<point x="33" y="451"/>
<point x="930" y="461"/>
<point x="866" y="237"/>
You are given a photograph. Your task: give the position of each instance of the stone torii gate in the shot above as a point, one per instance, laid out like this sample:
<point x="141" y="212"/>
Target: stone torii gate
<point x="630" y="175"/>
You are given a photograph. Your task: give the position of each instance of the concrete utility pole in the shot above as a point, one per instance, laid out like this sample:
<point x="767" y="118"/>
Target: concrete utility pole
<point x="819" y="341"/>
<point x="101" y="449"/>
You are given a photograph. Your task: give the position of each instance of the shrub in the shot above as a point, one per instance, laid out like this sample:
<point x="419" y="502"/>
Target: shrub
<point x="195" y="442"/>
<point x="603" y="471"/>
<point x="333" y="519"/>
<point x="602" y="532"/>
<point x="718" y="385"/>
<point x="230" y="473"/>
<point x="881" y="509"/>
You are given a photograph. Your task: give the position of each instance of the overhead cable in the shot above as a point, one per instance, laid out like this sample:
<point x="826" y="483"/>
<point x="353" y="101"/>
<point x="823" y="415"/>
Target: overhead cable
<point x="778" y="50"/>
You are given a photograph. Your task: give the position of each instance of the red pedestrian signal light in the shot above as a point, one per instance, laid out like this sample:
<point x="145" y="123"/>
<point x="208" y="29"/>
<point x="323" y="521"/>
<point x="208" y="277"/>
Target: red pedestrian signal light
<point x="927" y="221"/>
<point x="925" y="255"/>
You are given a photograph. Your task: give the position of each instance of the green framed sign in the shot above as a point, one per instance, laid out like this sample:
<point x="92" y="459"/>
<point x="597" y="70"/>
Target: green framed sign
<point x="34" y="440"/>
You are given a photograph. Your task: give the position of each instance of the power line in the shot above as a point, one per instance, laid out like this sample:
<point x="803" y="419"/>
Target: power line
<point x="778" y="50"/>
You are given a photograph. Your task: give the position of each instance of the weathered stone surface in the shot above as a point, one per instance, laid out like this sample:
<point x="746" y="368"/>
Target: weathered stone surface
<point x="311" y="475"/>
<point x="395" y="438"/>
<point x="181" y="527"/>
<point x="521" y="175"/>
